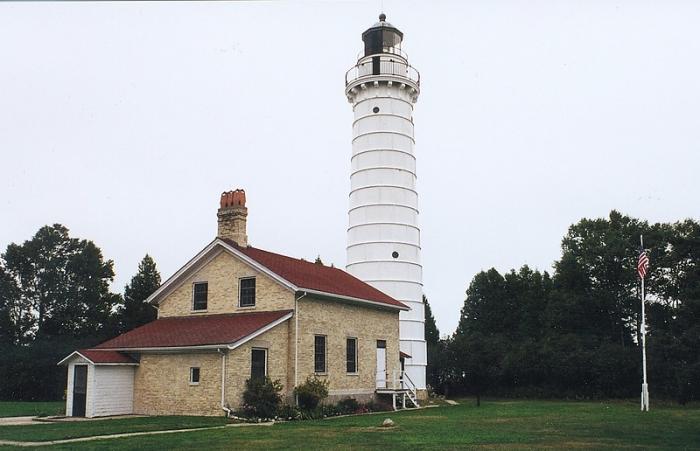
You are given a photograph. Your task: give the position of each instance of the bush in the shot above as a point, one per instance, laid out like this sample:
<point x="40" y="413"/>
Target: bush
<point x="348" y="406"/>
<point x="287" y="412"/>
<point x="377" y="406"/>
<point x="311" y="393"/>
<point x="261" y="397"/>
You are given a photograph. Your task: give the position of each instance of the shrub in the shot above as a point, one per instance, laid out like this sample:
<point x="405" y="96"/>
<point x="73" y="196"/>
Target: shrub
<point x="348" y="405"/>
<point x="287" y="412"/>
<point x="311" y="393"/>
<point x="378" y="406"/>
<point x="261" y="397"/>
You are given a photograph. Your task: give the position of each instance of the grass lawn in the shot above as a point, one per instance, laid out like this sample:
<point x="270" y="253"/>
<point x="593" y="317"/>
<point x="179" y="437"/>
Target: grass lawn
<point x="22" y="409"/>
<point x="497" y="424"/>
<point x="55" y="431"/>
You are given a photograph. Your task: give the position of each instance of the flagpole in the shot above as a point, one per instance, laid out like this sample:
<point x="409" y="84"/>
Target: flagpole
<point x="645" y="387"/>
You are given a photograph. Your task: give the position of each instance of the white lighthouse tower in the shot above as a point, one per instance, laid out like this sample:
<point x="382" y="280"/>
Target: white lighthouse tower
<point x="383" y="234"/>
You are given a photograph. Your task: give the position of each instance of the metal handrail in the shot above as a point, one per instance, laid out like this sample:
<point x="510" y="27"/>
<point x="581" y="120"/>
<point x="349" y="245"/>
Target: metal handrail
<point x="387" y="67"/>
<point x="411" y="386"/>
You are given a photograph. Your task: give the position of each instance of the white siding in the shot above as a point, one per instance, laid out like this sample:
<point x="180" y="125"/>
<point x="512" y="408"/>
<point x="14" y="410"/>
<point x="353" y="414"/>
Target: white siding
<point x="69" y="390"/>
<point x="112" y="391"/>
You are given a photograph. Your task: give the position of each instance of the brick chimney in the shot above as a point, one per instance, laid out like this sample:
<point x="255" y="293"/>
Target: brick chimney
<point x="232" y="216"/>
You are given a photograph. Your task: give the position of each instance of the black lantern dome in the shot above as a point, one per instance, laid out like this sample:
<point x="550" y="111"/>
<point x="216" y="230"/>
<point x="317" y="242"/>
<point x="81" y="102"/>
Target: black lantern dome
<point x="382" y="37"/>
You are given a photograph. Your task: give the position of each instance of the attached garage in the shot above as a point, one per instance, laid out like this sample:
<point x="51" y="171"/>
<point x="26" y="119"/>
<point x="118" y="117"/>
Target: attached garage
<point x="100" y="383"/>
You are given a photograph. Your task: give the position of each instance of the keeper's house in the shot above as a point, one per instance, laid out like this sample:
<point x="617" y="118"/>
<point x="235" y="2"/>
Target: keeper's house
<point x="234" y="312"/>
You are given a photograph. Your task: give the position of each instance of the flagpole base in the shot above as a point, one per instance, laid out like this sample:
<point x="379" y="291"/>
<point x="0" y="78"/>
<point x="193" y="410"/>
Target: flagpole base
<point x="645" y="397"/>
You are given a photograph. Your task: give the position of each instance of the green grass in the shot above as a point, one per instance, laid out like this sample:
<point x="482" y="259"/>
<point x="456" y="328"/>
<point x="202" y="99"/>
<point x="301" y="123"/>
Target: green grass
<point x="25" y="409"/>
<point x="497" y="424"/>
<point x="56" y="431"/>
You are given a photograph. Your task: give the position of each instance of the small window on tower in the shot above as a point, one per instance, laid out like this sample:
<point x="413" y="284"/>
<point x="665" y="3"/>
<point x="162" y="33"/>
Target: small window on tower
<point x="375" y="109"/>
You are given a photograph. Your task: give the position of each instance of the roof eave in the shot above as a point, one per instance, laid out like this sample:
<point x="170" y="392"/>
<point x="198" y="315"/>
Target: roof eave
<point x="207" y="347"/>
<point x="71" y="355"/>
<point x="79" y="354"/>
<point x="164" y="288"/>
<point x="341" y="297"/>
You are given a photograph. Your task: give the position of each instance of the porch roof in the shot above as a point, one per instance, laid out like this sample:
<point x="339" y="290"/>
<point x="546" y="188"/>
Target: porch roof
<point x="203" y="331"/>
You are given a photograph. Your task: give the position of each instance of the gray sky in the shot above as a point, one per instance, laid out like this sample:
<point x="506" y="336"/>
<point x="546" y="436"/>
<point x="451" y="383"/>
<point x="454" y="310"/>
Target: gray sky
<point x="125" y="122"/>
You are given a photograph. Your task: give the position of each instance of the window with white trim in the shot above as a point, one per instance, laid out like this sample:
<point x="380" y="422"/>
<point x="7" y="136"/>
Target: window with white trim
<point x="199" y="295"/>
<point x="246" y="295"/>
<point x="194" y="375"/>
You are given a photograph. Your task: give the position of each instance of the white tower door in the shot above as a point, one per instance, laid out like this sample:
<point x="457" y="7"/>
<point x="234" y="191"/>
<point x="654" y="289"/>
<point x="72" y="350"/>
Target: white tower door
<point x="381" y="364"/>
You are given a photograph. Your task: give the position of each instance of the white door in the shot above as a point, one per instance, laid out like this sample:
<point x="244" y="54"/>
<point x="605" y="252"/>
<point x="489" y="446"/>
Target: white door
<point x="381" y="364"/>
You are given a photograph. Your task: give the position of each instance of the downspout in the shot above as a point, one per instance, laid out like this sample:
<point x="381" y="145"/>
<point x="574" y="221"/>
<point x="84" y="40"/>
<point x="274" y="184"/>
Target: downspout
<point x="296" y="339"/>
<point x="223" y="383"/>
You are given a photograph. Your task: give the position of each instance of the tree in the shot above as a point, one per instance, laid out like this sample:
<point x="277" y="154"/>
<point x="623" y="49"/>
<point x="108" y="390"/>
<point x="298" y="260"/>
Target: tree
<point x="62" y="286"/>
<point x="604" y="252"/>
<point x="433" y="347"/>
<point x="478" y="361"/>
<point x="484" y="309"/>
<point x="54" y="298"/>
<point x="136" y="312"/>
<point x="12" y="318"/>
<point x="432" y="334"/>
<point x="674" y="338"/>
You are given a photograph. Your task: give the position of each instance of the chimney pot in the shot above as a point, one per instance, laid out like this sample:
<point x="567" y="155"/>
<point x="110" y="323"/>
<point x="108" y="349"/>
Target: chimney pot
<point x="232" y="216"/>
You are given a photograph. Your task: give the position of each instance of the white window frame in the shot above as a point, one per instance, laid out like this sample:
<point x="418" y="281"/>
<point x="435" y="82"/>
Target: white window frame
<point x="192" y="368"/>
<point x="192" y="305"/>
<point x="251" y="359"/>
<point x="240" y="289"/>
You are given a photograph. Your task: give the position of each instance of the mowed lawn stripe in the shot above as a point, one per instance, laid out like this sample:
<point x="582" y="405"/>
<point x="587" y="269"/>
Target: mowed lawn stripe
<point x="22" y="408"/>
<point x="511" y="424"/>
<point x="58" y="431"/>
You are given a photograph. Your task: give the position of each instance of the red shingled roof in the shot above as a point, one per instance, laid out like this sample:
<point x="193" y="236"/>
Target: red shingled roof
<point x="96" y="356"/>
<point x="317" y="277"/>
<point x="193" y="330"/>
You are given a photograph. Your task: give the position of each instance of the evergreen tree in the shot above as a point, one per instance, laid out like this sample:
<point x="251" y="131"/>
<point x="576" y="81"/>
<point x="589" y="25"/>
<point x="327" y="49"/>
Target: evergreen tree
<point x="136" y="312"/>
<point x="11" y="316"/>
<point x="433" y="347"/>
<point x="432" y="334"/>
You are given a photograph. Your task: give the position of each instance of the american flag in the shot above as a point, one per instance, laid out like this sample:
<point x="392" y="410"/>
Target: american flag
<point x="642" y="263"/>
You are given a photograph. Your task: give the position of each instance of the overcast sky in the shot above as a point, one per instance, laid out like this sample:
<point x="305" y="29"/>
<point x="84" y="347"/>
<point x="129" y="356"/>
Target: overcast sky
<point x="125" y="122"/>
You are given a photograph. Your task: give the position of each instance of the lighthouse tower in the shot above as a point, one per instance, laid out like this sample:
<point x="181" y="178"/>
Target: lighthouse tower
<point x="383" y="234"/>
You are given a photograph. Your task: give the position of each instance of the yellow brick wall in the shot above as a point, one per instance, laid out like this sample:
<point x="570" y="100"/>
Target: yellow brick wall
<point x="222" y="274"/>
<point x="161" y="385"/>
<point x="238" y="362"/>
<point x="339" y="321"/>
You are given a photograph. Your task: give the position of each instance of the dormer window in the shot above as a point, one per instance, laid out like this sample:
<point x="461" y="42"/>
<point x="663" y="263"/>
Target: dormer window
<point x="246" y="297"/>
<point x="199" y="295"/>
